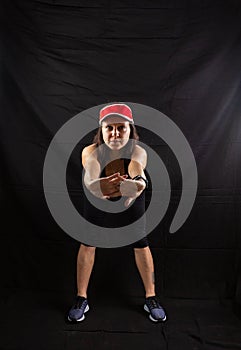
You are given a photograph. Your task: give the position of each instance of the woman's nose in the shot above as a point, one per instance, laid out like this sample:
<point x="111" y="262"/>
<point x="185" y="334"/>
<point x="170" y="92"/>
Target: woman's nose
<point x="115" y="132"/>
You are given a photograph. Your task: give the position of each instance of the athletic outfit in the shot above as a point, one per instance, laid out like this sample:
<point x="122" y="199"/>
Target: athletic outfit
<point x="112" y="220"/>
<point x="126" y="217"/>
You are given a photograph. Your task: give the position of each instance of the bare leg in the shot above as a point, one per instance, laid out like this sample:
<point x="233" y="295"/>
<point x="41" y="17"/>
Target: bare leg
<point x="144" y="262"/>
<point x="85" y="263"/>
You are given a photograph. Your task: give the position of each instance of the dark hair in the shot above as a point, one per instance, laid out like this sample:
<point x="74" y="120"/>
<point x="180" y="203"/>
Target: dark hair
<point x="128" y="149"/>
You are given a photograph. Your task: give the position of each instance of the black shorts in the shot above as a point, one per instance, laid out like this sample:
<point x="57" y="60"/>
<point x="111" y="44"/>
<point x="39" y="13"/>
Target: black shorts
<point x="142" y="243"/>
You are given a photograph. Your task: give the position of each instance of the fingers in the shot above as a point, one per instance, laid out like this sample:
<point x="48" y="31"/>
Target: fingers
<point x="117" y="179"/>
<point x="117" y="175"/>
<point x="106" y="197"/>
<point x="129" y="201"/>
<point x="111" y="177"/>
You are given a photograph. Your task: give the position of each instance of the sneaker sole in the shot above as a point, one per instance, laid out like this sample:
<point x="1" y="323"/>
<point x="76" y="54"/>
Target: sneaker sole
<point x="80" y="319"/>
<point x="150" y="316"/>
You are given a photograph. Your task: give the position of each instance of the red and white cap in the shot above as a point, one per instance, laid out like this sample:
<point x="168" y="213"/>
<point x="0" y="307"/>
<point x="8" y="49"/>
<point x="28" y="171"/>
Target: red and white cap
<point x="119" y="109"/>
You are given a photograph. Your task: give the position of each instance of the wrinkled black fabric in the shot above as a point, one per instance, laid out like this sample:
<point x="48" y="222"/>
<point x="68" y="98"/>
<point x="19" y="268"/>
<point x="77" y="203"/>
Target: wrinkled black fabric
<point x="59" y="58"/>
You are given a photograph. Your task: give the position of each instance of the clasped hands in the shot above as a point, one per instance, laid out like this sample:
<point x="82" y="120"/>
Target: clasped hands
<point x="117" y="185"/>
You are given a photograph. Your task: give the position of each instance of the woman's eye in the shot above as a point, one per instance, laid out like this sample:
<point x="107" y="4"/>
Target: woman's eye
<point x="109" y="127"/>
<point x="121" y="128"/>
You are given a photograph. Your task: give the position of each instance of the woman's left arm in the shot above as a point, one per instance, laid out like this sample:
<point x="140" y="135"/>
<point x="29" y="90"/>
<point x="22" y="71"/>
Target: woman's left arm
<point x="138" y="163"/>
<point x="133" y="188"/>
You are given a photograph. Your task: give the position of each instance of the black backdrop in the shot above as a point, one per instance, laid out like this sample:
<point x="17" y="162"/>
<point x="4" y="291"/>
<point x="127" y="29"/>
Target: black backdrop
<point x="180" y="57"/>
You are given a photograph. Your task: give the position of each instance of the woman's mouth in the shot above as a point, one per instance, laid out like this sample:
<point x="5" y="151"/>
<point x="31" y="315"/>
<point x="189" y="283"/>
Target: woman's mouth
<point x="115" y="141"/>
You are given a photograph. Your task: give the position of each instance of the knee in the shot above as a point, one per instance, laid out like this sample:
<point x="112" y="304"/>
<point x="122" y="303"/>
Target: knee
<point x="87" y="250"/>
<point x="141" y="251"/>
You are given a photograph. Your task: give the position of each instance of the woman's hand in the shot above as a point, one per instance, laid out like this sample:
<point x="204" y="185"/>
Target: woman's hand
<point x="108" y="186"/>
<point x="117" y="185"/>
<point x="131" y="189"/>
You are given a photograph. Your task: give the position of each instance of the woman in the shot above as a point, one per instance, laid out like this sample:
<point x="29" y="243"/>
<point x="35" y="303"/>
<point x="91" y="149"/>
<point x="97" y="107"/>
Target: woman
<point x="115" y="150"/>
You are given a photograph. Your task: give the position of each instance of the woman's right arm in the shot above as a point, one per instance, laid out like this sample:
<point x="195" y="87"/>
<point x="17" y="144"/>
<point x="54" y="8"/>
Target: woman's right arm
<point x="92" y="169"/>
<point x="100" y="187"/>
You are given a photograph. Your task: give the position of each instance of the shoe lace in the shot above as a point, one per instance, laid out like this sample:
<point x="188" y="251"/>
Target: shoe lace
<point x="79" y="302"/>
<point x="153" y="303"/>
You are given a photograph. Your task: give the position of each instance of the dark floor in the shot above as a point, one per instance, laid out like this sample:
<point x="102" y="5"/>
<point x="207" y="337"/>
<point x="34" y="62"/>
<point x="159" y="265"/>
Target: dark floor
<point x="32" y="320"/>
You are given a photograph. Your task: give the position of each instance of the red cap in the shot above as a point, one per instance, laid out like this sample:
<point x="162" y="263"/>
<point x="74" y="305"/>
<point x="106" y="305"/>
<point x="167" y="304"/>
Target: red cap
<point x="120" y="109"/>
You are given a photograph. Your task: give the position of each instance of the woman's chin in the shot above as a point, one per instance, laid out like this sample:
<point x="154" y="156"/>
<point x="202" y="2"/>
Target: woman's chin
<point x="115" y="147"/>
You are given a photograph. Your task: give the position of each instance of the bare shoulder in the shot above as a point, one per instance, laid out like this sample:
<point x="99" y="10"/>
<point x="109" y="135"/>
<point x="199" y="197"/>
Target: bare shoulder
<point x="139" y="154"/>
<point x="138" y="150"/>
<point x="87" y="151"/>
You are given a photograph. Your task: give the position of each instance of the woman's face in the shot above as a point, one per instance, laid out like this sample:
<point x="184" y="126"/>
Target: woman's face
<point x="116" y="132"/>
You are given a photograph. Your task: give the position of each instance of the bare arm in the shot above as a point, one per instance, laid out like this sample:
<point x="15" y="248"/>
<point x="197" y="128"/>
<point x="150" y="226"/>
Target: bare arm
<point x="91" y="165"/>
<point x="132" y="188"/>
<point x="138" y="162"/>
<point x="100" y="187"/>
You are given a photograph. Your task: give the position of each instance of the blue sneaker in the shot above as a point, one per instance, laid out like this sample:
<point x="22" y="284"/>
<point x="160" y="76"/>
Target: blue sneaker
<point x="156" y="311"/>
<point x="77" y="312"/>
